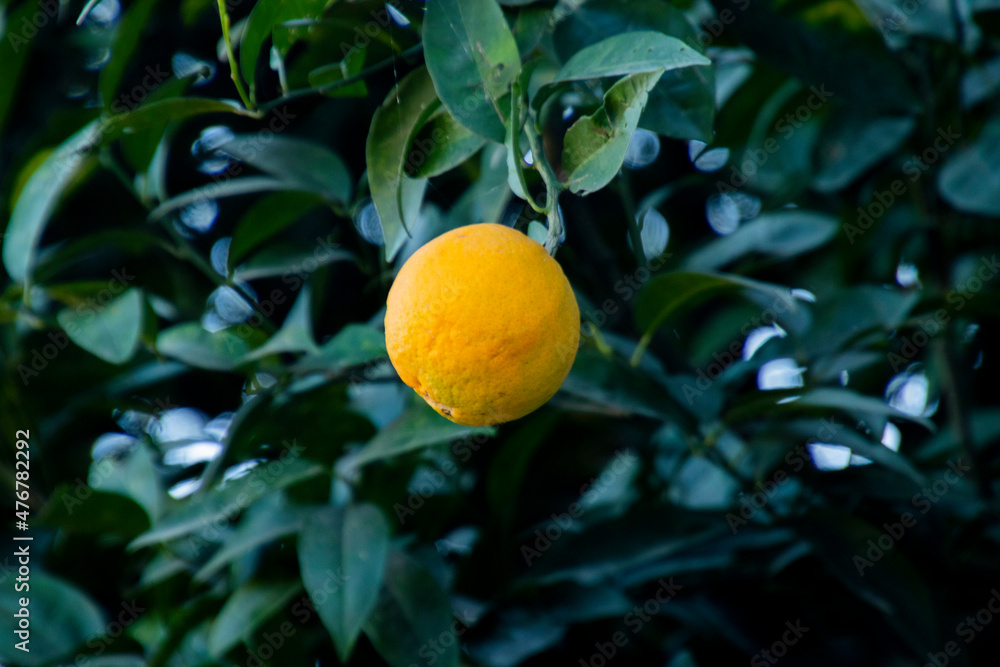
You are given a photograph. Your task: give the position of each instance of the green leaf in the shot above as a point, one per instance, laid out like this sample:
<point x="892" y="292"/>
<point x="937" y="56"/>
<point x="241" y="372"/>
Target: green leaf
<point x="268" y="520"/>
<point x="530" y="27"/>
<point x="40" y="197"/>
<point x="342" y="553"/>
<point x="205" y="513"/>
<point x="970" y="178"/>
<point x="350" y="66"/>
<point x="189" y="342"/>
<point x="472" y="58"/>
<point x="140" y="144"/>
<point x="842" y="434"/>
<point x="781" y="234"/>
<point x="295" y="334"/>
<point x="854" y="311"/>
<point x="515" y="159"/>
<point x="595" y="145"/>
<point x="668" y="293"/>
<point x="511" y="465"/>
<point x="128" y="36"/>
<point x="441" y="145"/>
<point x="354" y="345"/>
<point x="618" y="548"/>
<point x="305" y="165"/>
<point x="267" y="14"/>
<point x="590" y="22"/>
<point x="411" y="610"/>
<point x="290" y="259"/>
<point x="415" y="429"/>
<point x="160" y="112"/>
<point x="267" y="217"/>
<point x="234" y="188"/>
<point x="854" y="143"/>
<point x="630" y="53"/>
<point x="765" y="403"/>
<point x="682" y="104"/>
<point x="133" y="475"/>
<point x="62" y="618"/>
<point x="485" y="199"/>
<point x="84" y="510"/>
<point x="602" y="383"/>
<point x="398" y="197"/>
<point x="246" y="610"/>
<point x="110" y="332"/>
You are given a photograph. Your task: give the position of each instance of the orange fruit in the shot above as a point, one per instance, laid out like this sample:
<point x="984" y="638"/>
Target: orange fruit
<point x="483" y="324"/>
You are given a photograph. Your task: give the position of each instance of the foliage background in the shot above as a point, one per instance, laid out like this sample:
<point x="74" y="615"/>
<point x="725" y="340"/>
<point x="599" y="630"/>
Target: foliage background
<point x="780" y="415"/>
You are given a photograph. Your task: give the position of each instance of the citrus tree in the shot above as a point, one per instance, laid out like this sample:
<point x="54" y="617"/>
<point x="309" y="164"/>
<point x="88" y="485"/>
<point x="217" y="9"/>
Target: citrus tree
<point x="771" y="436"/>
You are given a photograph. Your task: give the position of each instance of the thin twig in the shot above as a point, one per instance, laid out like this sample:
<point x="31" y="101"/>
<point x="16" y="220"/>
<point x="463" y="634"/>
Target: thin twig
<point x="319" y="90"/>
<point x="233" y="65"/>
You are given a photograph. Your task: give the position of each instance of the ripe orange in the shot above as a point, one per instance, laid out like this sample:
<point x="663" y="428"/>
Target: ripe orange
<point x="483" y="324"/>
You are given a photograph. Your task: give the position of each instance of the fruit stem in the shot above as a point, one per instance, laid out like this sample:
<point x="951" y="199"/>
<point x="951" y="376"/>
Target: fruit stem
<point x="554" y="220"/>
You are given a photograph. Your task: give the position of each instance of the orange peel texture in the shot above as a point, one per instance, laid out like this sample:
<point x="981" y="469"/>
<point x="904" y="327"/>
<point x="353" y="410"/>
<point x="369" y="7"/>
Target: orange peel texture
<point x="483" y="324"/>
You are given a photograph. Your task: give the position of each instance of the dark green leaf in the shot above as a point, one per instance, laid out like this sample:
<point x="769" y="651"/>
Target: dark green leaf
<point x="133" y="475"/>
<point x="970" y="178"/>
<point x="354" y="345"/>
<point x="595" y="20"/>
<point x="267" y="14"/>
<point x="80" y="509"/>
<point x="304" y="165"/>
<point x="268" y="216"/>
<point x="128" y="37"/>
<point x="295" y="334"/>
<point x="630" y="53"/>
<point x="766" y="403"/>
<point x="472" y="58"/>
<point x="62" y="618"/>
<point x="110" y="332"/>
<point x="595" y="145"/>
<point x="683" y="102"/>
<point x="682" y="105"/>
<point x="398" y="197"/>
<point x="485" y="199"/>
<point x="234" y="188"/>
<point x="204" y="514"/>
<point x="247" y="609"/>
<point x="288" y="259"/>
<point x="342" y="553"/>
<point x="515" y="159"/>
<point x="441" y="145"/>
<point x="192" y="344"/>
<point x="417" y="428"/>
<point x="605" y="384"/>
<point x="268" y="520"/>
<point x="781" y="234"/>
<point x="350" y="66"/>
<point x="668" y="293"/>
<point x="159" y="112"/>
<point x="40" y="197"/>
<point x="854" y="144"/>
<point x="411" y="611"/>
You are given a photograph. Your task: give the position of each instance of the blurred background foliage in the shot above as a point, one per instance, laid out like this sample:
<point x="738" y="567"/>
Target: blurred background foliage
<point x="778" y="441"/>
